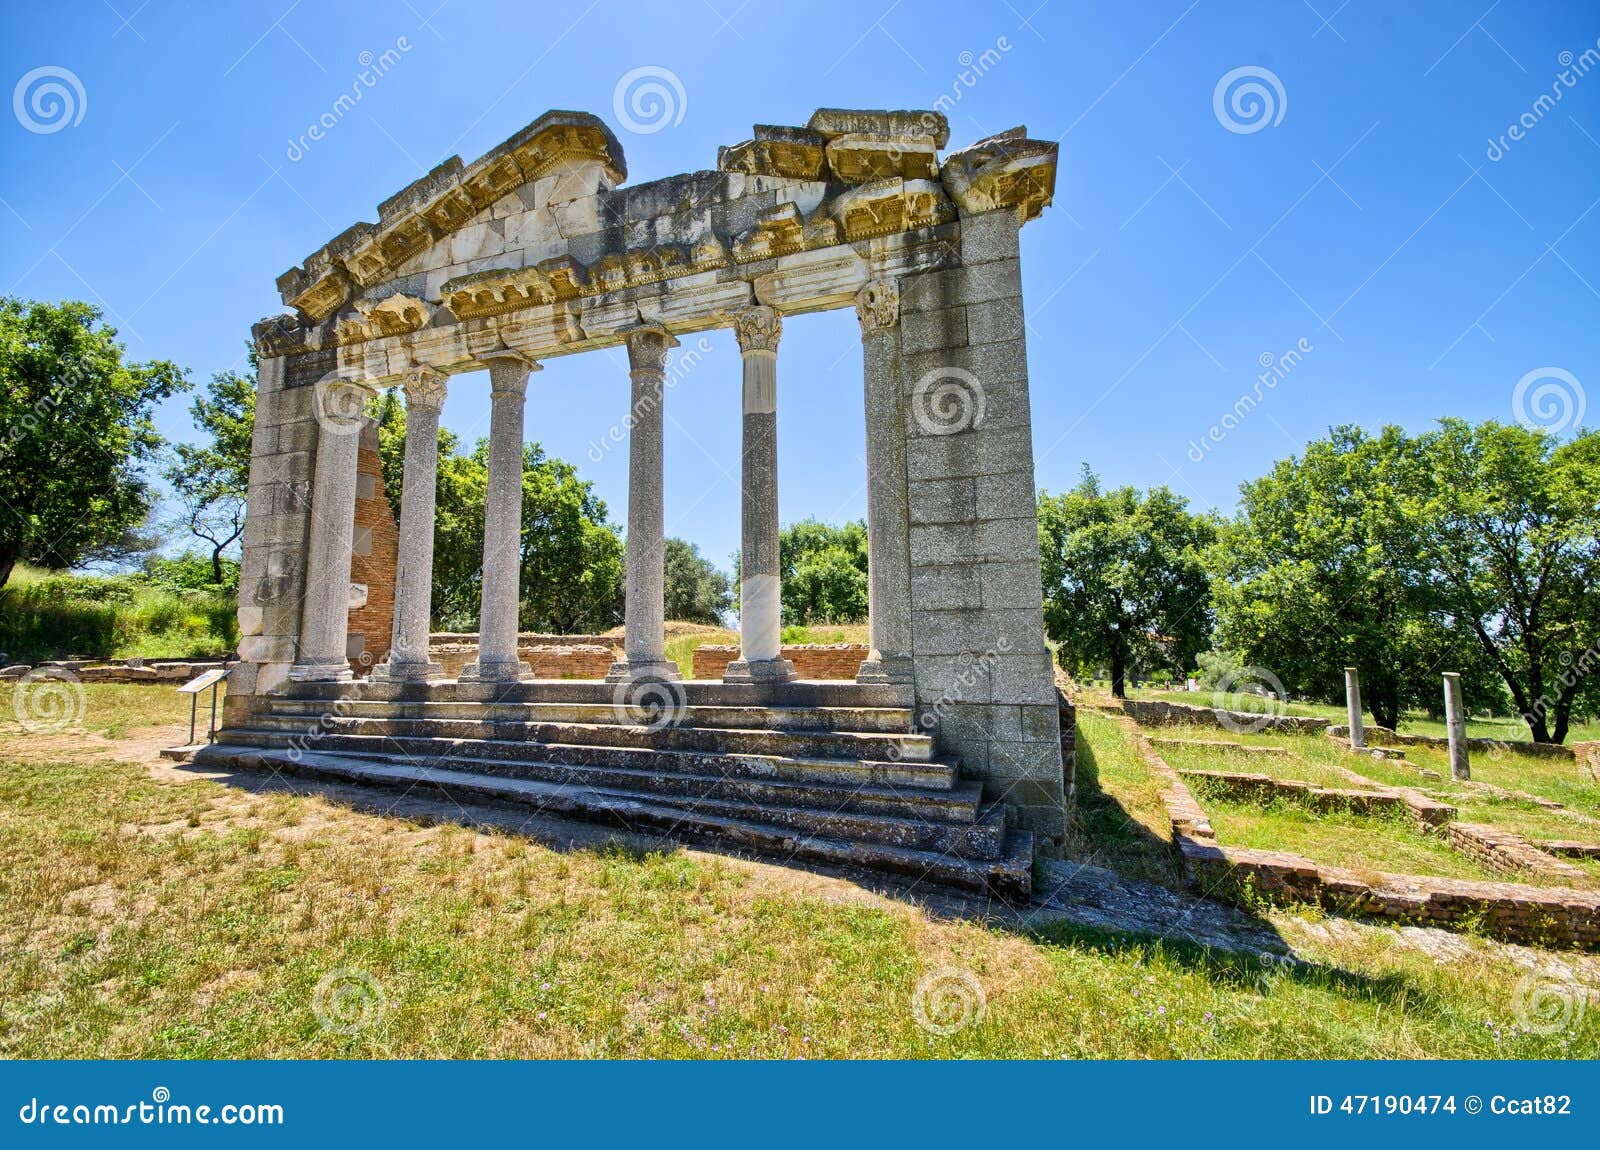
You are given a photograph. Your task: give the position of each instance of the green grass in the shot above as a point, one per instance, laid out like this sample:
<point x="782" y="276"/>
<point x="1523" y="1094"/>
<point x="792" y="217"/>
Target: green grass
<point x="51" y="617"/>
<point x="1118" y="819"/>
<point x="1505" y="728"/>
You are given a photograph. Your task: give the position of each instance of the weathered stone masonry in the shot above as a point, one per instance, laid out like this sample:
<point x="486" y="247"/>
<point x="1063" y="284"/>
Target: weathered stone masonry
<point x="536" y="250"/>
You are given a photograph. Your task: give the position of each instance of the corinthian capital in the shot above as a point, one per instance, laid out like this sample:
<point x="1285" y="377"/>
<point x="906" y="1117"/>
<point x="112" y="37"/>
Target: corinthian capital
<point x="878" y="305"/>
<point x="648" y="345"/>
<point x="758" y="329"/>
<point x="425" y="387"/>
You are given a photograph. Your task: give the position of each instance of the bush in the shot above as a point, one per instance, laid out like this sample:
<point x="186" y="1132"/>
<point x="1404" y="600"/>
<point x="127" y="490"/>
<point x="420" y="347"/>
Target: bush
<point x="107" y="617"/>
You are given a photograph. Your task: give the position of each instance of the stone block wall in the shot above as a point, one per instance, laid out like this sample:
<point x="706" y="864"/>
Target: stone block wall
<point x="984" y="681"/>
<point x="811" y="660"/>
<point x="562" y="659"/>
<point x="374" y="552"/>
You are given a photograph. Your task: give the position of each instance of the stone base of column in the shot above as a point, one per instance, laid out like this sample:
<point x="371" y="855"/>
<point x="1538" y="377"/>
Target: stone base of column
<point x="623" y="671"/>
<point x="494" y="673"/>
<point x="321" y="672"/>
<point x="759" y="671"/>
<point x="391" y="672"/>
<point x="886" y="669"/>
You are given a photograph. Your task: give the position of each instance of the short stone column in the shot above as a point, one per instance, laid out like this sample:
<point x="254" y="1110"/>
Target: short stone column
<point x="1352" y="704"/>
<point x="502" y="525"/>
<point x="325" y="614"/>
<point x="760" y="584"/>
<point x="888" y="509"/>
<point x="413" y="583"/>
<point x="645" y="645"/>
<point x="1455" y="721"/>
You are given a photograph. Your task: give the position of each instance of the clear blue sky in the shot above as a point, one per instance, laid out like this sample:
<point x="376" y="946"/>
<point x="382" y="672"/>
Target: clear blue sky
<point x="1369" y="221"/>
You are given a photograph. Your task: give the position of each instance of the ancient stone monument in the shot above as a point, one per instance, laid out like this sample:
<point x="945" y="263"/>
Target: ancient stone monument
<point x="943" y="758"/>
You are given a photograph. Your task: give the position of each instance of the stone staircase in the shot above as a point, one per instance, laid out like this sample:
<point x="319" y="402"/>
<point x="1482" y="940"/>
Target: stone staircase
<point x="822" y="772"/>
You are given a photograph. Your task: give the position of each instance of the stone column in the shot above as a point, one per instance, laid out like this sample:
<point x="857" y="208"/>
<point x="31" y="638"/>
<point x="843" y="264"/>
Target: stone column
<point x="1455" y="720"/>
<point x="760" y="609"/>
<point x="325" y="613"/>
<point x="413" y="583"/>
<point x="1352" y="703"/>
<point x="502" y="525"/>
<point x="644" y="647"/>
<point x="888" y="514"/>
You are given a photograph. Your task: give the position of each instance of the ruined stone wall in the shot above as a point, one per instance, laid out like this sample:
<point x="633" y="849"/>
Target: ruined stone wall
<point x="982" y="670"/>
<point x="373" y="559"/>
<point x="811" y="660"/>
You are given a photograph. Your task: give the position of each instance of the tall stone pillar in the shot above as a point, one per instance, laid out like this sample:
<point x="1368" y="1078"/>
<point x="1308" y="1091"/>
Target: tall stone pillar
<point x="1455" y="719"/>
<point x="413" y="584"/>
<point x="1352" y="703"/>
<point x="325" y="613"/>
<point x="502" y="525"/>
<point x="760" y="609"/>
<point x="888" y="512"/>
<point x="644" y="647"/>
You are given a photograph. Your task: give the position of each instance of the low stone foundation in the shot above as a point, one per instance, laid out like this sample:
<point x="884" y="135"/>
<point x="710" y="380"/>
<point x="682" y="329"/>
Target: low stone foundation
<point x="1504" y="851"/>
<point x="136" y="671"/>
<point x="1253" y="788"/>
<point x="1383" y="736"/>
<point x="811" y="660"/>
<point x="1160" y="713"/>
<point x="559" y="660"/>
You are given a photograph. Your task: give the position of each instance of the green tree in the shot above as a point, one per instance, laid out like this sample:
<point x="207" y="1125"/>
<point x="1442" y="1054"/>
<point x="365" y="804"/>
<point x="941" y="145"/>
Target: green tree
<point x="696" y="592"/>
<point x="1512" y="539"/>
<point x="75" y="434"/>
<point x="210" y="479"/>
<point x="1324" y="567"/>
<point x="824" y="572"/>
<point x="1124" y="582"/>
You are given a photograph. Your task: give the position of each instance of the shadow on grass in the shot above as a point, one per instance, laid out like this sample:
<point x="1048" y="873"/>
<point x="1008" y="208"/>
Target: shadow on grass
<point x="1102" y="832"/>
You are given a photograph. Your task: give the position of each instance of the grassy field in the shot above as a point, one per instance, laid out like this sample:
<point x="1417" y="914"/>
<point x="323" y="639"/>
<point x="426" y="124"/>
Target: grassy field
<point x="1507" y="729"/>
<point x="149" y="912"/>
<point x="684" y="638"/>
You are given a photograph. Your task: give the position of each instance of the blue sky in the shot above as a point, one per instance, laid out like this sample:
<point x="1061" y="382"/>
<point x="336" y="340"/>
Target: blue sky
<point x="1368" y="223"/>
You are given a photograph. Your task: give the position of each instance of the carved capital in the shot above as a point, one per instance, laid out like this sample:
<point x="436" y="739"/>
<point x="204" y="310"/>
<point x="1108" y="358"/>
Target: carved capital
<point x="508" y="372"/>
<point x="425" y="387"/>
<point x="758" y="329"/>
<point x="878" y="306"/>
<point x="648" y="345"/>
<point x="341" y="404"/>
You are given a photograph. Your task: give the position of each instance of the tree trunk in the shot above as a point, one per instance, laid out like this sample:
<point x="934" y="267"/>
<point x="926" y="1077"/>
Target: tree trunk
<point x="1385" y="705"/>
<point x="1119" y="668"/>
<point x="8" y="560"/>
<point x="216" y="563"/>
<point x="1563" y="721"/>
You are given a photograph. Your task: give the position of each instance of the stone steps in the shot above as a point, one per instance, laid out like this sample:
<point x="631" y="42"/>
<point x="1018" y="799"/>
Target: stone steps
<point x="799" y="693"/>
<point x="677" y="737"/>
<point x="647" y="771"/>
<point x="774" y="830"/>
<point x="859" y="720"/>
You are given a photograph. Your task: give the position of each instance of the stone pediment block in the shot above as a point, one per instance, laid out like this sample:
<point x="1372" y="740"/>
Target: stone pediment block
<point x="1007" y="170"/>
<point x="779" y="231"/>
<point x="831" y="123"/>
<point x="858" y="158"/>
<point x="891" y="205"/>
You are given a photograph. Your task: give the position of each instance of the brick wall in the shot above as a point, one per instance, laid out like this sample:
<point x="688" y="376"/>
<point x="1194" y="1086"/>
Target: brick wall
<point x="811" y="661"/>
<point x="374" y="553"/>
<point x="545" y="660"/>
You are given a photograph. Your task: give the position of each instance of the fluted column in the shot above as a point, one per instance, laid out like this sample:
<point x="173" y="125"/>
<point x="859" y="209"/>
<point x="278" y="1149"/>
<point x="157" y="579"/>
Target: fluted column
<point x="888" y="508"/>
<point x="502" y="525"/>
<point x="760" y="609"/>
<point x="644" y="646"/>
<point x="413" y="583"/>
<point x="325" y="614"/>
